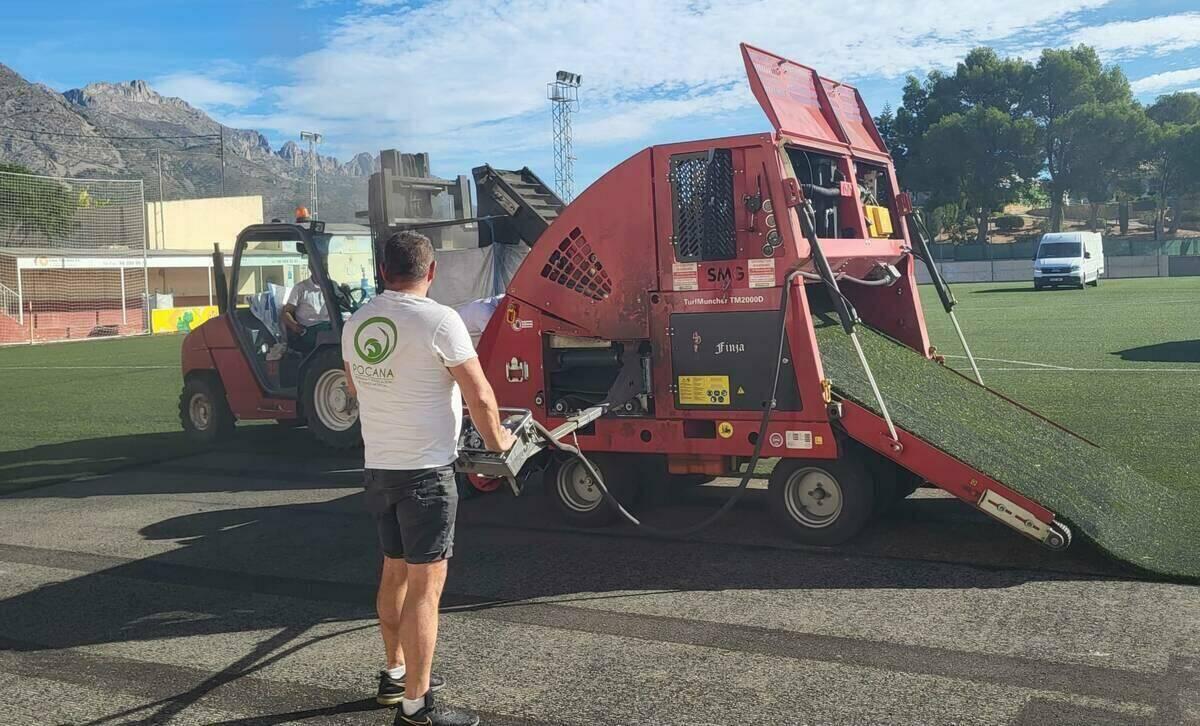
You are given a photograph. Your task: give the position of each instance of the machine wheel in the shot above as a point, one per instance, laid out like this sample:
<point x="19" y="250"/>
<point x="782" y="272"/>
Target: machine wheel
<point x="906" y="483"/>
<point x="575" y="495"/>
<point x="204" y="410"/>
<point x="822" y="502"/>
<point x="332" y="413"/>
<point x="1060" y="536"/>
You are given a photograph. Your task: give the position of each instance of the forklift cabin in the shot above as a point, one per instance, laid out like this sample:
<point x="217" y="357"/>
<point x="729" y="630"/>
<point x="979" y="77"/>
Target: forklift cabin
<point x="252" y="364"/>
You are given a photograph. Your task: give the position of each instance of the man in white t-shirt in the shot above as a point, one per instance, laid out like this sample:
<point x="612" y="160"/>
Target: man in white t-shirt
<point x="411" y="365"/>
<point x="304" y="314"/>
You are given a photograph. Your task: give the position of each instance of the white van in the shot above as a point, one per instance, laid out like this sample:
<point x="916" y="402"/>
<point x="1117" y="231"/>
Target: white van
<point x="1068" y="258"/>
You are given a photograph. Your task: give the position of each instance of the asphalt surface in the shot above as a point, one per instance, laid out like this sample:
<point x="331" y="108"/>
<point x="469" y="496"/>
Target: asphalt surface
<point x="239" y="590"/>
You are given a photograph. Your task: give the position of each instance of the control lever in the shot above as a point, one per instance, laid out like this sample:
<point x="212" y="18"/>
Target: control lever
<point x="474" y="457"/>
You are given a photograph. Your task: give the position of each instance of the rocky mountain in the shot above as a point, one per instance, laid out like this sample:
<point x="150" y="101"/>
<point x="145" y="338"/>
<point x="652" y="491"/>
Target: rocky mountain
<point x="70" y="134"/>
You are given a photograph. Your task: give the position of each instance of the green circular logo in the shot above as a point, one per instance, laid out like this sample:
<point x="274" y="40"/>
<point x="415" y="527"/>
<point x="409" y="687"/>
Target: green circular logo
<point x="375" y="339"/>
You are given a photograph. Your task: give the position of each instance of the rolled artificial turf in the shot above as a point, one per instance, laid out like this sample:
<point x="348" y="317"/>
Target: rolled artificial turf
<point x="1133" y="518"/>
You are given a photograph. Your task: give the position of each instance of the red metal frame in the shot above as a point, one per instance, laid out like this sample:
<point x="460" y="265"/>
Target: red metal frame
<point x="626" y="218"/>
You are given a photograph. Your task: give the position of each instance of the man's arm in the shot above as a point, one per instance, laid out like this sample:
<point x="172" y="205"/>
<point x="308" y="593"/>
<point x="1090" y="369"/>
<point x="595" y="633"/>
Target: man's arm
<point x="288" y="317"/>
<point x="350" y="379"/>
<point x="481" y="402"/>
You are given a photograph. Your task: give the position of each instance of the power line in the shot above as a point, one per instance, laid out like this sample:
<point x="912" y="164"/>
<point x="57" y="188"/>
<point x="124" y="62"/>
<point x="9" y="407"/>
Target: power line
<point x="111" y="138"/>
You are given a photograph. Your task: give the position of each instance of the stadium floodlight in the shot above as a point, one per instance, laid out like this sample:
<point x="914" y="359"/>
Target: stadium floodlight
<point x="563" y="94"/>
<point x="313" y="138"/>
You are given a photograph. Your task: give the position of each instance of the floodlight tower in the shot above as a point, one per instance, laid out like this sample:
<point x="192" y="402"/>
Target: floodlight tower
<point x="563" y="93"/>
<point x="313" y="138"/>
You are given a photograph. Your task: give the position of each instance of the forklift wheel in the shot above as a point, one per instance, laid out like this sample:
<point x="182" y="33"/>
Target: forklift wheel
<point x="822" y="502"/>
<point x="332" y="413"/>
<point x="575" y="495"/>
<point x="204" y="410"/>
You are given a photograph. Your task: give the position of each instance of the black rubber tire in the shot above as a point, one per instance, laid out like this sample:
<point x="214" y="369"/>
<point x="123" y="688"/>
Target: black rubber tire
<point x="216" y="422"/>
<point x="1096" y="282"/>
<point x="906" y="483"/>
<point x="321" y="363"/>
<point x="589" y="508"/>
<point x="857" y="493"/>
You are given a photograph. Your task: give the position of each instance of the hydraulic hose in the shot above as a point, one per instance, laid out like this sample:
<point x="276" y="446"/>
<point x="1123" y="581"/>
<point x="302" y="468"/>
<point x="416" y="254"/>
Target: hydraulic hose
<point x="768" y="407"/>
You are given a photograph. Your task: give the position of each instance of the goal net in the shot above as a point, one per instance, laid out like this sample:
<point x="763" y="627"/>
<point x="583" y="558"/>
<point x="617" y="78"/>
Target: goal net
<point x="72" y="258"/>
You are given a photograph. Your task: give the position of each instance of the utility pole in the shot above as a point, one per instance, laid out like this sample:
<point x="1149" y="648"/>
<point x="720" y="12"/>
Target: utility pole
<point x="162" y="216"/>
<point x="313" y="138"/>
<point x="563" y="93"/>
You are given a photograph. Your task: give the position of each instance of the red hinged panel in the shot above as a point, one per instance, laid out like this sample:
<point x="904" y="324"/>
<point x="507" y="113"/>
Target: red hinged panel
<point x="853" y="118"/>
<point x="789" y="95"/>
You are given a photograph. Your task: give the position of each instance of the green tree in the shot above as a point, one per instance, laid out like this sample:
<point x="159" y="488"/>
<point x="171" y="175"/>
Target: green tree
<point x="33" y="210"/>
<point x="1063" y="81"/>
<point x="1174" y="164"/>
<point x="1108" y="142"/>
<point x="965" y="137"/>
<point x="983" y="155"/>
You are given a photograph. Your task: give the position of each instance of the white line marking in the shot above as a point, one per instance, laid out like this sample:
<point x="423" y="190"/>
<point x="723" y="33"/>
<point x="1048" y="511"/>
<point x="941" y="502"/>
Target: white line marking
<point x="1140" y="303"/>
<point x="82" y="368"/>
<point x="1014" y="362"/>
<point x="1047" y="367"/>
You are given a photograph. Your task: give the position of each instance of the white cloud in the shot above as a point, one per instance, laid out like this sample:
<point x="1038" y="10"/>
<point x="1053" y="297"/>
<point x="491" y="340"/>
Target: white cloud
<point x="1131" y="38"/>
<point x="1168" y="80"/>
<point x="460" y="75"/>
<point x="205" y="91"/>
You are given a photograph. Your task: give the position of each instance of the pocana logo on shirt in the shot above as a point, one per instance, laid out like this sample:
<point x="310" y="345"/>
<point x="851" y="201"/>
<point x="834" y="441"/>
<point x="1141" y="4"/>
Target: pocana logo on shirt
<point x="375" y="339"/>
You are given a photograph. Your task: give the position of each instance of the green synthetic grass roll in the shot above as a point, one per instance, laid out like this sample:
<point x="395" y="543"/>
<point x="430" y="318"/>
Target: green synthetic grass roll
<point x="1133" y="518"/>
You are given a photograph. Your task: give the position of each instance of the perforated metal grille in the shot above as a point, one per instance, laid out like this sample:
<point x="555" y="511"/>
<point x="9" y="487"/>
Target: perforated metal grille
<point x="703" y="205"/>
<point x="574" y="266"/>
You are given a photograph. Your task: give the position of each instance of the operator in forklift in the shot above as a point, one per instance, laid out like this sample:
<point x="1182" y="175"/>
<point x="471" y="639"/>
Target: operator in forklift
<point x="411" y="364"/>
<point x="304" y="315"/>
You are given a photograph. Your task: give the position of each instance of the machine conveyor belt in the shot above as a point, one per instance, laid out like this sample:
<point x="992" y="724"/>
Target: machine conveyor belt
<point x="1136" y="519"/>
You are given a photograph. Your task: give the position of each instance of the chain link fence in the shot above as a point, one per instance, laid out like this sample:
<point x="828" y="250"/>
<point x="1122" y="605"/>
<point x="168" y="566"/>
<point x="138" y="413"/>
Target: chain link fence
<point x="72" y="258"/>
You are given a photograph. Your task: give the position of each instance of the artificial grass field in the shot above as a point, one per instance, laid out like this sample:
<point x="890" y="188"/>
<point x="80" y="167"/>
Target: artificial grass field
<point x="63" y="415"/>
<point x="1148" y="522"/>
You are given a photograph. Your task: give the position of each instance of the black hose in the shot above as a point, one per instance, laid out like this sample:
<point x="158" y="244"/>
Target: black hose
<point x="758" y="443"/>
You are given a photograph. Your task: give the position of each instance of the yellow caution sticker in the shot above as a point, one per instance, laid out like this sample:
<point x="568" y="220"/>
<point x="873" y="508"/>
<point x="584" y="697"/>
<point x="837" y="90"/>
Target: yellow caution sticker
<point x="725" y="430"/>
<point x="704" y="390"/>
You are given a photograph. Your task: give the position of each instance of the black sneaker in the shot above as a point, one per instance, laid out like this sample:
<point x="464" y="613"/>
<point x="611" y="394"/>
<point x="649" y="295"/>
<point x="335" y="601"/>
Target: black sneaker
<point x="391" y="690"/>
<point x="432" y="715"/>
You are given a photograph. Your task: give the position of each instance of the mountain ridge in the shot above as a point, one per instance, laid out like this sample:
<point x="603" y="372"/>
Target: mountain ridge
<point x="101" y="130"/>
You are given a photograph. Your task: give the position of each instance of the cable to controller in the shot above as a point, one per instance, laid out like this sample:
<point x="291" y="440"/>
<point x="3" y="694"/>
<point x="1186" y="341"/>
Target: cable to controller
<point x="750" y="467"/>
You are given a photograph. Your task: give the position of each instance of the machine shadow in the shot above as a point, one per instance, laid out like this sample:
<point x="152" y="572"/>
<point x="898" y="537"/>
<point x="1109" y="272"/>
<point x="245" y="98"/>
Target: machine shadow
<point x="232" y="565"/>
<point x="1177" y="351"/>
<point x="306" y="573"/>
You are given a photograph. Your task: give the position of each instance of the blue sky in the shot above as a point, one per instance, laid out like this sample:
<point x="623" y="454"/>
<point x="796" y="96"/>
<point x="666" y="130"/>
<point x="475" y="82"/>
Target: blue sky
<point x="465" y="79"/>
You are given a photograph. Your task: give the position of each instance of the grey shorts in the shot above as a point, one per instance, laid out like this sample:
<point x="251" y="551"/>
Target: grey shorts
<point x="414" y="512"/>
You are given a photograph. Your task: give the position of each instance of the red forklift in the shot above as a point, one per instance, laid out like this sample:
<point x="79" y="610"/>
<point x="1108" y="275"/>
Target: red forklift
<point x="241" y="366"/>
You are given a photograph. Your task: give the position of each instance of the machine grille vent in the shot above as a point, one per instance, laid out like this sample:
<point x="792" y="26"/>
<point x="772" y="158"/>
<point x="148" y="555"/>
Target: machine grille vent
<point x="573" y="265"/>
<point x="702" y="184"/>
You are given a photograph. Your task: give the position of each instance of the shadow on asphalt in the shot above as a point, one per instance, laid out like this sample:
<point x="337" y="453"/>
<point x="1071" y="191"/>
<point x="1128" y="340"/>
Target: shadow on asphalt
<point x="232" y="565"/>
<point x="53" y="463"/>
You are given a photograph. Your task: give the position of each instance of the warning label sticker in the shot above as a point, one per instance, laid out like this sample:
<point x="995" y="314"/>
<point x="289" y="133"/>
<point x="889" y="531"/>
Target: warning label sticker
<point x="685" y="276"/>
<point x="704" y="390"/>
<point x="762" y="272"/>
<point x="799" y="439"/>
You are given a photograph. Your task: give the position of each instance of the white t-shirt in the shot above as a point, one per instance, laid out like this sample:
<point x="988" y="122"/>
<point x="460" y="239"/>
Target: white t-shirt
<point x="310" y="303"/>
<point x="399" y="347"/>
